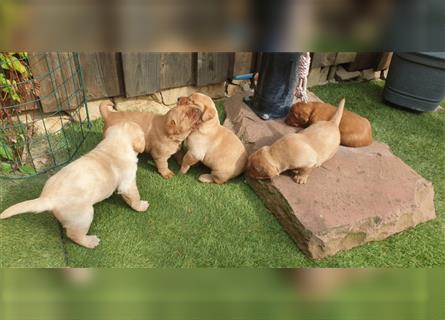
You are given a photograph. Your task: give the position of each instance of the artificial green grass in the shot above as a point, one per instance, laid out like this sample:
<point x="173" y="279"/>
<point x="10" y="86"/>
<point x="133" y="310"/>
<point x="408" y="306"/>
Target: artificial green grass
<point x="216" y="294"/>
<point x="28" y="240"/>
<point x="190" y="224"/>
<point x="419" y="140"/>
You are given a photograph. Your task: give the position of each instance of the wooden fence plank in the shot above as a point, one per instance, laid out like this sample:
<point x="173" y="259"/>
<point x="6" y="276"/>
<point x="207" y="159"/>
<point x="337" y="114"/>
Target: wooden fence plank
<point x="256" y="63"/>
<point x="55" y="73"/>
<point x="212" y="67"/>
<point x="141" y="73"/>
<point x="242" y="63"/>
<point x="176" y="70"/>
<point x="365" y="60"/>
<point x="384" y="62"/>
<point x="102" y="73"/>
<point x="345" y="57"/>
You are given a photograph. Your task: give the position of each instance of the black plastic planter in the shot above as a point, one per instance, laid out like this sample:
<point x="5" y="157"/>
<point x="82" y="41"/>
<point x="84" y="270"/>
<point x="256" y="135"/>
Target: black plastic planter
<point x="416" y="80"/>
<point x="276" y="85"/>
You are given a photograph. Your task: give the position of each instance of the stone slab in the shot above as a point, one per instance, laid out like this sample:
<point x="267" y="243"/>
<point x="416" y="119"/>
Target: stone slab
<point x="169" y="97"/>
<point x="360" y="195"/>
<point x="343" y="75"/>
<point x="368" y="74"/>
<point x="140" y="104"/>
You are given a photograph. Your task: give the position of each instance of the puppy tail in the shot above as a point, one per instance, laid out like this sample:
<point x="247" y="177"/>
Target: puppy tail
<point x="104" y="108"/>
<point x="36" y="205"/>
<point x="336" y="118"/>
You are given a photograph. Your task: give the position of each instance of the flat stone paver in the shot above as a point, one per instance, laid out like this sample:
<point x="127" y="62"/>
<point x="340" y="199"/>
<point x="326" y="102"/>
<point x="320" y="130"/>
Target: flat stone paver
<point x="360" y="195"/>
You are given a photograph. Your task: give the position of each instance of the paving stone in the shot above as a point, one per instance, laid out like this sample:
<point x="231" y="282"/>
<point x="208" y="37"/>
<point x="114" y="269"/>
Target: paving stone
<point x="314" y="77"/>
<point x="44" y="123"/>
<point x="93" y="111"/>
<point x="360" y="195"/>
<point x="368" y="74"/>
<point x="170" y="96"/>
<point x="343" y="75"/>
<point x="141" y="104"/>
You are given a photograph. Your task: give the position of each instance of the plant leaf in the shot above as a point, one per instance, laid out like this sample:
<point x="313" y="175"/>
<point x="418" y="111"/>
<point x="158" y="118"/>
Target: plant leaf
<point x="5" y="151"/>
<point x="27" y="169"/>
<point x="5" y="167"/>
<point x="17" y="65"/>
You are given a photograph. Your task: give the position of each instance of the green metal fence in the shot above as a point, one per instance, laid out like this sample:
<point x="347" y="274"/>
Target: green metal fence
<point x="43" y="112"/>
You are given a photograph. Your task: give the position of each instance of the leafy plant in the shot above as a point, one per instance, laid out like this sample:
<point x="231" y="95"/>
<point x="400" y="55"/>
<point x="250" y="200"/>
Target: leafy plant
<point x="6" y="151"/>
<point x="13" y="68"/>
<point x="10" y="62"/>
<point x="9" y="87"/>
<point x="15" y="87"/>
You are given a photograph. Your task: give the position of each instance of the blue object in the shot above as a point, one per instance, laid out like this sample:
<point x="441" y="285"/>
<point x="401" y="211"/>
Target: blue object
<point x="246" y="76"/>
<point x="276" y="85"/>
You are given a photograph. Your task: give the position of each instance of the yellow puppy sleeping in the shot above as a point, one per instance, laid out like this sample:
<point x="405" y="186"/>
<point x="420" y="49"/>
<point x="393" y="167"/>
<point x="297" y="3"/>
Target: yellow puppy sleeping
<point x="71" y="193"/>
<point x="211" y="143"/>
<point x="299" y="152"/>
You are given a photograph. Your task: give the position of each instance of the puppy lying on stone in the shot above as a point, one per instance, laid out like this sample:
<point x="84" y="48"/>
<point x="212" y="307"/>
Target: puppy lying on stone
<point x="163" y="133"/>
<point x="355" y="130"/>
<point x="299" y="152"/>
<point x="71" y="193"/>
<point x="211" y="143"/>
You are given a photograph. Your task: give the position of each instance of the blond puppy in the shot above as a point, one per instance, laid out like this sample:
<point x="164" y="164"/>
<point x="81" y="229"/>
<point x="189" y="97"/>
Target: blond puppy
<point x="211" y="143"/>
<point x="299" y="152"/>
<point x="164" y="133"/>
<point x="71" y="193"/>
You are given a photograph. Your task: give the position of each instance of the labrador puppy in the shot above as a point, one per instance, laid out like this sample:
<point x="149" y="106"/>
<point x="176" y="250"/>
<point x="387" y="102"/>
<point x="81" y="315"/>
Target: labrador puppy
<point x="299" y="152"/>
<point x="163" y="133"/>
<point x="71" y="193"/>
<point x="355" y="130"/>
<point x="214" y="145"/>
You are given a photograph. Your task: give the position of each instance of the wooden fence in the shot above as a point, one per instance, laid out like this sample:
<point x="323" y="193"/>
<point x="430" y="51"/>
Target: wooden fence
<point x="340" y="66"/>
<point x="111" y="74"/>
<point x="136" y="74"/>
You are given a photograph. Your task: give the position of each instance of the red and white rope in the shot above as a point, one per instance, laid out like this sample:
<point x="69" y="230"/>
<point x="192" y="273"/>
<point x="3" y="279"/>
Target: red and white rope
<point x="304" y="63"/>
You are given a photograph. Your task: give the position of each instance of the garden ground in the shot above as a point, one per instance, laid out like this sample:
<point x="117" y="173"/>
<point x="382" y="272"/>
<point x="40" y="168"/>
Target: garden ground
<point x="190" y="224"/>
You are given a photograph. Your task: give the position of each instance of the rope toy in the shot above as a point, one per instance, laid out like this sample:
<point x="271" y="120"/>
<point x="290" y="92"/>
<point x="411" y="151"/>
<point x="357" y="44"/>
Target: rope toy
<point x="304" y="61"/>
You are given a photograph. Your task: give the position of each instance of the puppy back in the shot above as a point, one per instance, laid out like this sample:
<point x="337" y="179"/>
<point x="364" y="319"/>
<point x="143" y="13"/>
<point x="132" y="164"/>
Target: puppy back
<point x="336" y="118"/>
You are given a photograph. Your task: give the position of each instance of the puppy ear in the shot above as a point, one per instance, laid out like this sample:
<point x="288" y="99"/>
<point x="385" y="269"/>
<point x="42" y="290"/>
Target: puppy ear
<point x="290" y="119"/>
<point x="209" y="113"/>
<point x="193" y="113"/>
<point x="305" y="116"/>
<point x="183" y="100"/>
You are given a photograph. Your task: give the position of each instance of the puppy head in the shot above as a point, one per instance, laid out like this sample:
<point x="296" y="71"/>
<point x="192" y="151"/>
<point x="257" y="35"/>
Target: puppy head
<point x="181" y="120"/>
<point x="299" y="114"/>
<point x="205" y="103"/>
<point x="131" y="130"/>
<point x="259" y="165"/>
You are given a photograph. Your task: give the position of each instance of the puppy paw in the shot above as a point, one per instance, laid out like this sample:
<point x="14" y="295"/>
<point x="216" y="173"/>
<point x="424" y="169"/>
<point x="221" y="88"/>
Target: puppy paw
<point x="91" y="242"/>
<point x="167" y="174"/>
<point x="300" y="179"/>
<point x="206" y="178"/>
<point x="143" y="206"/>
<point x="184" y="169"/>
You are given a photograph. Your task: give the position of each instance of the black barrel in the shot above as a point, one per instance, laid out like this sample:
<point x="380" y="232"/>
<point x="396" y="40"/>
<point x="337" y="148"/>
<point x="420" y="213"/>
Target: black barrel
<point x="276" y="85"/>
<point x="416" y="80"/>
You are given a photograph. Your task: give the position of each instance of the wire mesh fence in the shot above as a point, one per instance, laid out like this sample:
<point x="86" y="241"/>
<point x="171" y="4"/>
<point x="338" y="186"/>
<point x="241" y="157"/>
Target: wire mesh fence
<point x="43" y="112"/>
